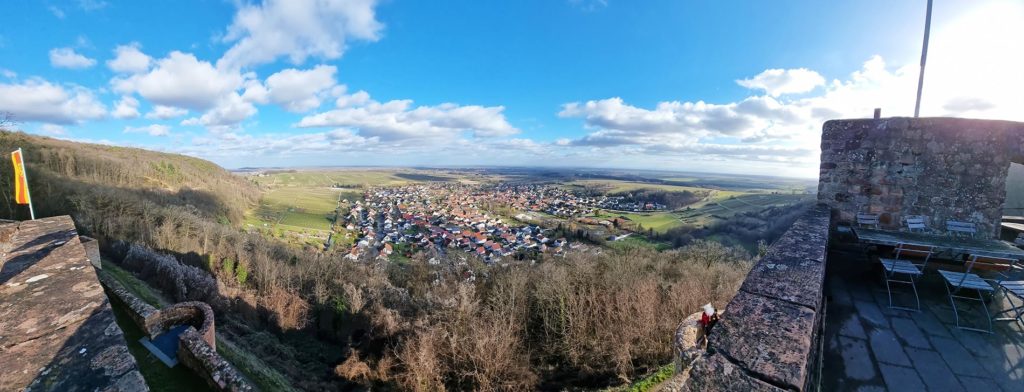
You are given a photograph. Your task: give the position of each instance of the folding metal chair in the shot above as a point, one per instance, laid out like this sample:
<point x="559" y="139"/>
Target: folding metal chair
<point x="903" y="269"/>
<point x="960" y="284"/>
<point x="917" y="223"/>
<point x="961" y="229"/>
<point x="867" y="220"/>
<point x="1013" y="289"/>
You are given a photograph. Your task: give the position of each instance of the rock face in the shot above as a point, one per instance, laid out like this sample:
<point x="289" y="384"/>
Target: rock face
<point x="941" y="168"/>
<point x="57" y="330"/>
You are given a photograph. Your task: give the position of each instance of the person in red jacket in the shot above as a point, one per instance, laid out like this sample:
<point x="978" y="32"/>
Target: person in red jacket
<point x="708" y="319"/>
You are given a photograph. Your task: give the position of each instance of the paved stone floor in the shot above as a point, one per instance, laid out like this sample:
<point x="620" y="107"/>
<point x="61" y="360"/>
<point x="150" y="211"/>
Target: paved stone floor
<point x="870" y="347"/>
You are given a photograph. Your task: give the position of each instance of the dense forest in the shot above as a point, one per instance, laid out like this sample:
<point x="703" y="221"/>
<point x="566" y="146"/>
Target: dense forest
<point x="321" y="322"/>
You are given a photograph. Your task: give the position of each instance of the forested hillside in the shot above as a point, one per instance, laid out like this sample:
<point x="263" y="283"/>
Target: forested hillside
<point x="312" y="320"/>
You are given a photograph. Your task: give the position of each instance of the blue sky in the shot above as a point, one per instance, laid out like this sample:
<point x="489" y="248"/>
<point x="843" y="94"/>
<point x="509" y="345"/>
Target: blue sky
<point x="738" y="87"/>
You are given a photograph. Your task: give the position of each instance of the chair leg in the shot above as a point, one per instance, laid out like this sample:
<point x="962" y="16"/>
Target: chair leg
<point x="916" y="297"/>
<point x="984" y="307"/>
<point x="956" y="315"/>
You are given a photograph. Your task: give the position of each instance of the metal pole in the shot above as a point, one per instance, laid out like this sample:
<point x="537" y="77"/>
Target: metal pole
<point x="924" y="58"/>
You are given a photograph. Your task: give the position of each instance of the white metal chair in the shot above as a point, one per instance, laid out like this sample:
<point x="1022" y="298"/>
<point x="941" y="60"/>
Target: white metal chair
<point x="961" y="229"/>
<point x="917" y="223"/>
<point x="903" y="269"/>
<point x="867" y="220"/>
<point x="960" y="284"/>
<point x="1013" y="289"/>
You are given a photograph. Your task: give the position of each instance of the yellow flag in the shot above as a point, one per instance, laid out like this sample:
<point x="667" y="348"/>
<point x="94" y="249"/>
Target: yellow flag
<point x="20" y="182"/>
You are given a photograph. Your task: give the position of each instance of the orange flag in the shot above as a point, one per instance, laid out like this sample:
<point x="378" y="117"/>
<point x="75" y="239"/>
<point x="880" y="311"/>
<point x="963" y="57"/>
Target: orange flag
<point x="20" y="182"/>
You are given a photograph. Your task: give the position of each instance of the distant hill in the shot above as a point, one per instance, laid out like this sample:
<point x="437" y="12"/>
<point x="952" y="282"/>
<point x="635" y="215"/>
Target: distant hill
<point x="63" y="174"/>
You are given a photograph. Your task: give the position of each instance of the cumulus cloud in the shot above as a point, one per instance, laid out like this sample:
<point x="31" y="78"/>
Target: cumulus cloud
<point x="300" y="90"/>
<point x="40" y="100"/>
<point x="181" y="80"/>
<point x="399" y="120"/>
<point x="161" y="112"/>
<point x="68" y="58"/>
<point x="127" y="107"/>
<point x="152" y="130"/>
<point x="129" y="59"/>
<point x="776" y="82"/>
<point x="229" y="112"/>
<point x="53" y="129"/>
<point x="231" y="144"/>
<point x="297" y="29"/>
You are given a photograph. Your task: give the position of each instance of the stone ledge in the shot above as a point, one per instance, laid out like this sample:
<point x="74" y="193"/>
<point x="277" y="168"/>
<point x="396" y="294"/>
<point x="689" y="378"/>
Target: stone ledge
<point x="766" y="336"/>
<point x="794" y="268"/>
<point x="715" y="373"/>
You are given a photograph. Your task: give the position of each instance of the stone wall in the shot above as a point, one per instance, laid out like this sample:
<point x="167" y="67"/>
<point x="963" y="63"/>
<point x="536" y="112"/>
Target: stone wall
<point x="769" y="334"/>
<point x="197" y="345"/>
<point x="941" y="168"/>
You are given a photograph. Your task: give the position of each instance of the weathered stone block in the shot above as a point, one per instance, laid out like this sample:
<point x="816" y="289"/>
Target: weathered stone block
<point x="770" y="337"/>
<point x="716" y="373"/>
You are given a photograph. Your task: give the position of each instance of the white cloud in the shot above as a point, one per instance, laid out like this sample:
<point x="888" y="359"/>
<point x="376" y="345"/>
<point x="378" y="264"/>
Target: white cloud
<point x="52" y="129"/>
<point x="229" y="112"/>
<point x="776" y="82"/>
<point x="161" y="112"/>
<point x="182" y="81"/>
<point x="152" y="130"/>
<point x="129" y="59"/>
<point x="127" y="107"/>
<point x="8" y="73"/>
<point x="40" y="100"/>
<point x="398" y="120"/>
<point x="67" y="58"/>
<point x="298" y="90"/>
<point x="262" y="32"/>
<point x="229" y="144"/>
<point x="92" y="5"/>
<point x="56" y="11"/>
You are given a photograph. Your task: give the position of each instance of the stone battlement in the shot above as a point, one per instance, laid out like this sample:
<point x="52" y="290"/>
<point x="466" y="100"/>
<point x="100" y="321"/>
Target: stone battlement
<point x="57" y="330"/>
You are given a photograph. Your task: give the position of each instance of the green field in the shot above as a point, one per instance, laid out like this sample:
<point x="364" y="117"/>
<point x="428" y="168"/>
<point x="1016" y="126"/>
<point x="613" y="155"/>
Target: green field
<point x="618" y="186"/>
<point x="297" y="207"/>
<point x="722" y="205"/>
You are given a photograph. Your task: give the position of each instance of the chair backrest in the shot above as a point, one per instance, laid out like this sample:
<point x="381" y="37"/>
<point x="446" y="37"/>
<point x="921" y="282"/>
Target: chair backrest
<point x="956" y="228"/>
<point x="907" y="251"/>
<point x="867" y="220"/>
<point x="916" y="223"/>
<point x="1000" y="267"/>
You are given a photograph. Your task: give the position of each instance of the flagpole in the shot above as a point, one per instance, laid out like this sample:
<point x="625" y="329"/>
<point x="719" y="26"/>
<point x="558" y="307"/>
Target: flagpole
<point x="924" y="58"/>
<point x="28" y="194"/>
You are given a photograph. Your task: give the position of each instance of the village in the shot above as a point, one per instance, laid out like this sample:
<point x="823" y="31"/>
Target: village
<point x="487" y="221"/>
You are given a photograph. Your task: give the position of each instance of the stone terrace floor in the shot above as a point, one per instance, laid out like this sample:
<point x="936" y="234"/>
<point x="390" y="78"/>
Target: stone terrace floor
<point x="870" y="347"/>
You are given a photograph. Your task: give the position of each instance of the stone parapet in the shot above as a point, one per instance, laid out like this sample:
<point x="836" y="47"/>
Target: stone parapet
<point x="769" y="334"/>
<point x="57" y="329"/>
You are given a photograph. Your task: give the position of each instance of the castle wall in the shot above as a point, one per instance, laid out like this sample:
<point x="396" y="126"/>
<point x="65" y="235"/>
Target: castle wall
<point x="940" y="168"/>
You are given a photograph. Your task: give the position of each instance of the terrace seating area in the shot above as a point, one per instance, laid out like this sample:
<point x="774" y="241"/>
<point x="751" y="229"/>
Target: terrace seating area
<point x="870" y="346"/>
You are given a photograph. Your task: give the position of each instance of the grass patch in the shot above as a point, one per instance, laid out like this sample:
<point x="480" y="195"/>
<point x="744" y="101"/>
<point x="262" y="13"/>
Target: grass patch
<point x="265" y="378"/>
<point x="137" y="287"/>
<point x="650" y="382"/>
<point x="637" y="241"/>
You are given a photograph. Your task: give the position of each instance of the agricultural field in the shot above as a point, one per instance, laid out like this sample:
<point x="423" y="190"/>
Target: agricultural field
<point x="298" y="208"/>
